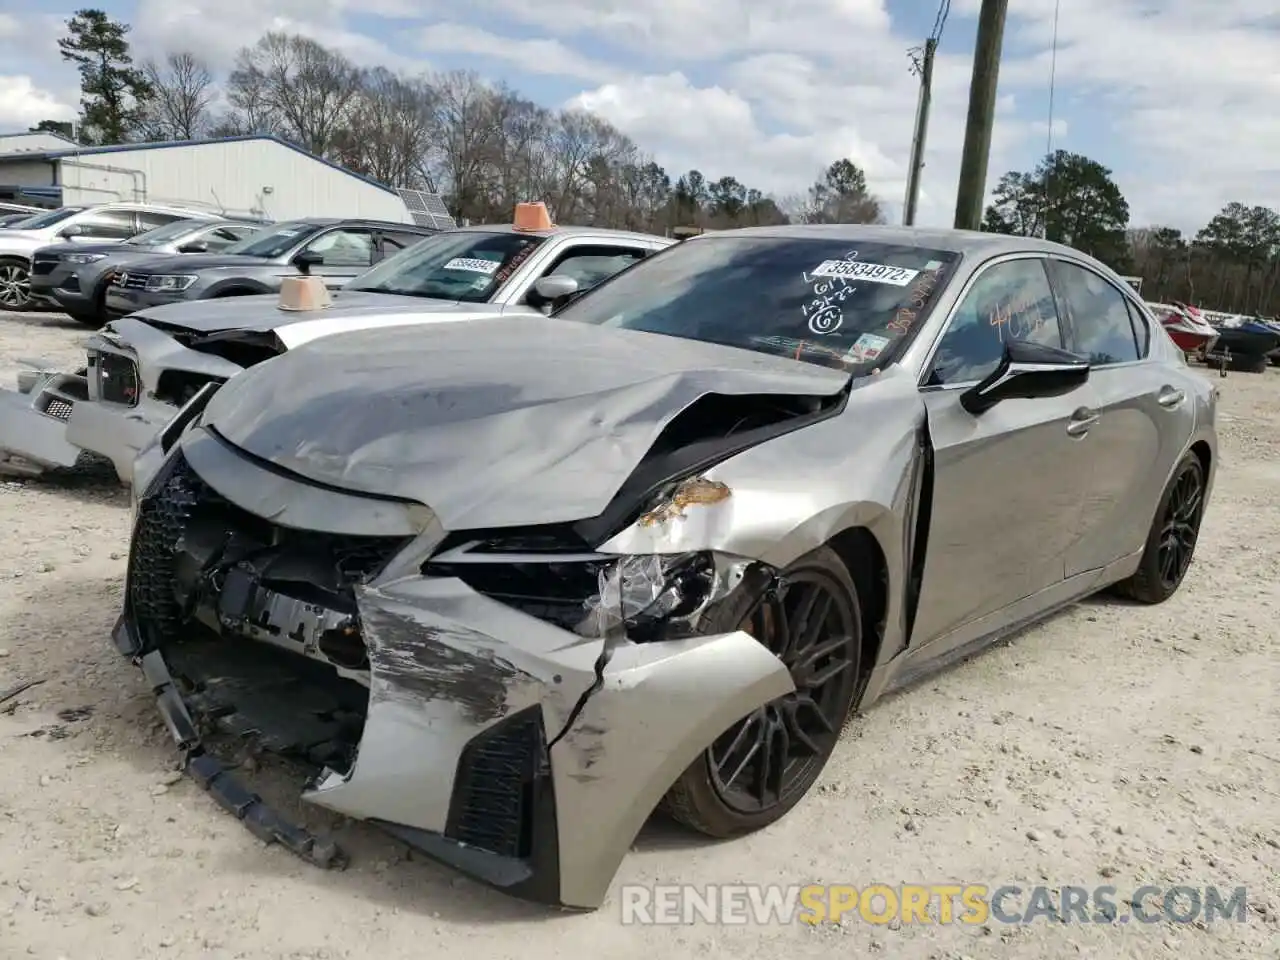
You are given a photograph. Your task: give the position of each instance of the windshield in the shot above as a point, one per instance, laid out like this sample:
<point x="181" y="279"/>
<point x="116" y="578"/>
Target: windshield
<point x="275" y="243"/>
<point x="467" y="265"/>
<point x="41" y="220"/>
<point x="161" y="235"/>
<point x="839" y="303"/>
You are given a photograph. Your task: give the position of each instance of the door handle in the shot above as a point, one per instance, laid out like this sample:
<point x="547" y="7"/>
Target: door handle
<point x="1170" y="397"/>
<point x="1081" y="421"/>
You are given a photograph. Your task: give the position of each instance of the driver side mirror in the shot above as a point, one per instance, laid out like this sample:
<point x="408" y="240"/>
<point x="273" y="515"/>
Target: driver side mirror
<point x="195" y="246"/>
<point x="1027" y="371"/>
<point x="74" y="230"/>
<point x="551" y="292"/>
<point x="307" y="259"/>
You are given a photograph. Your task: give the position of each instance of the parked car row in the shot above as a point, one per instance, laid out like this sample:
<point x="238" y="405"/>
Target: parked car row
<point x="641" y="536"/>
<point x="161" y="347"/>
<point x="106" y="223"/>
<point x="105" y="261"/>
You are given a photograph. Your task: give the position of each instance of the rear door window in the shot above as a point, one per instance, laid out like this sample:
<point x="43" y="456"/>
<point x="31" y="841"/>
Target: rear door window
<point x="1098" y="315"/>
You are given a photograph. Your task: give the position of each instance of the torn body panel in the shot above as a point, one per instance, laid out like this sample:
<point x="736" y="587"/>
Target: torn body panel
<point x="458" y="721"/>
<point x="33" y="424"/>
<point x="831" y="486"/>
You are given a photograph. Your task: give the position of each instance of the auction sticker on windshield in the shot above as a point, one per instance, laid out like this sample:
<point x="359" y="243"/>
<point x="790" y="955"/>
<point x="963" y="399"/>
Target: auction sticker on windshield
<point x="867" y="348"/>
<point x="472" y="265"/>
<point x="861" y="270"/>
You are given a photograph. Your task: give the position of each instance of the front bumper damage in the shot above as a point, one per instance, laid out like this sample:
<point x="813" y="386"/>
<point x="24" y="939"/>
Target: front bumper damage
<point x="114" y="409"/>
<point x="33" y="420"/>
<point x="521" y="753"/>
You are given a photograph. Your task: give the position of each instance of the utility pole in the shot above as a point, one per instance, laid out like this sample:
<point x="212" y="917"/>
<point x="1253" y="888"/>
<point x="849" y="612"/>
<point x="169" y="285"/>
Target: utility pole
<point x="982" y="109"/>
<point x="925" y="68"/>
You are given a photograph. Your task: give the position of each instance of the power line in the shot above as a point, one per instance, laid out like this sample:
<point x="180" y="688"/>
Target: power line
<point x="1048" y="146"/>
<point x="1053" y="72"/>
<point x="940" y="21"/>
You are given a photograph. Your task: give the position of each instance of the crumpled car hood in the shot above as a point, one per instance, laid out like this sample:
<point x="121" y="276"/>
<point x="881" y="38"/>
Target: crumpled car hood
<point x="513" y="421"/>
<point x="262" y="313"/>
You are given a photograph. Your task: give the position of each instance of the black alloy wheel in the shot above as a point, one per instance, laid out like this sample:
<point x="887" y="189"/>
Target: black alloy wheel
<point x="761" y="767"/>
<point x="1181" y="526"/>
<point x="1171" y="541"/>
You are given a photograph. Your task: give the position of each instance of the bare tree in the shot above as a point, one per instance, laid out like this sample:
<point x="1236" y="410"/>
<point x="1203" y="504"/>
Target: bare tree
<point x="252" y="109"/>
<point x="465" y="128"/>
<point x="182" y="91"/>
<point x="305" y="88"/>
<point x="387" y="134"/>
<point x="486" y="148"/>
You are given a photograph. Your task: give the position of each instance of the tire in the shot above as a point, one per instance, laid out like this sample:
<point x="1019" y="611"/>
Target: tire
<point x="15" y="284"/>
<point x="1150" y="584"/>
<point x="699" y="799"/>
<point x="90" y="320"/>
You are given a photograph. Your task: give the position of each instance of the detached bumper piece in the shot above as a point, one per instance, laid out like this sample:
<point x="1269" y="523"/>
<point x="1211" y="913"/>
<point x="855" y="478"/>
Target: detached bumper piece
<point x="249" y="808"/>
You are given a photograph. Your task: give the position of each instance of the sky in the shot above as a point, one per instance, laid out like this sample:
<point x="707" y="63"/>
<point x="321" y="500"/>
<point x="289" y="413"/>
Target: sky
<point x="1176" y="97"/>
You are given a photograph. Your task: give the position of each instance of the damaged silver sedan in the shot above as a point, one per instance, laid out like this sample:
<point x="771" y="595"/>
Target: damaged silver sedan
<point x="510" y="587"/>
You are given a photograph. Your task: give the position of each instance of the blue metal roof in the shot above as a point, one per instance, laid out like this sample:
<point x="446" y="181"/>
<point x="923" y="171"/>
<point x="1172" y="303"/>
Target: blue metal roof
<point x="168" y="144"/>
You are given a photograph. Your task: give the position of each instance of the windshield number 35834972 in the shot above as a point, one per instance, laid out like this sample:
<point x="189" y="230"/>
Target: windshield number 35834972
<point x="861" y="270"/>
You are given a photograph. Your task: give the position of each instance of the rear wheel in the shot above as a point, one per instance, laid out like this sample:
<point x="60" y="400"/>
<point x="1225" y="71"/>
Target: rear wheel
<point x="1171" y="542"/>
<point x="762" y="766"/>
<point x="15" y="284"/>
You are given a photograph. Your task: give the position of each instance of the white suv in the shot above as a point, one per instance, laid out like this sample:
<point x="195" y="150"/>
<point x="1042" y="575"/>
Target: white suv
<point x="100" y="223"/>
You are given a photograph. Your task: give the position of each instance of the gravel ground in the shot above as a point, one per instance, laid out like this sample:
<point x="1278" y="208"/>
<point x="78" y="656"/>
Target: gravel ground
<point x="1115" y="745"/>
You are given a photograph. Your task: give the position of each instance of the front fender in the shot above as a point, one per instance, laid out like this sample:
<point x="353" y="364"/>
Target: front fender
<point x="220" y="288"/>
<point x="450" y="667"/>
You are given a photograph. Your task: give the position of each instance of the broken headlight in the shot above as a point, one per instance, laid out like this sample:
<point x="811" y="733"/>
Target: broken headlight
<point x="645" y="598"/>
<point x="649" y="597"/>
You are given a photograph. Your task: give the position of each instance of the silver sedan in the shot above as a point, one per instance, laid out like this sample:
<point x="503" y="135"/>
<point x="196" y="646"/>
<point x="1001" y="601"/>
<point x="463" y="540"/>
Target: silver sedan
<point x="510" y="587"/>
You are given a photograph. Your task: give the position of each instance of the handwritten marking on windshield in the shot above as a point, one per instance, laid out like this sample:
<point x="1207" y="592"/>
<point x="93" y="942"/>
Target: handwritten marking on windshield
<point x="905" y="317"/>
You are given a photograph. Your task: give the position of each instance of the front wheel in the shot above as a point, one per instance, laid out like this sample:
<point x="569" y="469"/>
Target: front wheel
<point x="761" y="767"/>
<point x="1172" y="539"/>
<point x="15" y="284"/>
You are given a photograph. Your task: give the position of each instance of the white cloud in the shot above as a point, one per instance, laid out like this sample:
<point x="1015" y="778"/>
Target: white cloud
<point x="1187" y="89"/>
<point x="1179" y="102"/>
<point x="23" y="104"/>
<point x="549" y="57"/>
<point x="681" y="31"/>
<point x="216" y="30"/>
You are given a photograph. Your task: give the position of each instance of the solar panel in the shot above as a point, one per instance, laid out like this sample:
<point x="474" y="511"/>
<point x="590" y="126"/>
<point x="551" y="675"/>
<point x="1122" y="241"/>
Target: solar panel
<point x="427" y="209"/>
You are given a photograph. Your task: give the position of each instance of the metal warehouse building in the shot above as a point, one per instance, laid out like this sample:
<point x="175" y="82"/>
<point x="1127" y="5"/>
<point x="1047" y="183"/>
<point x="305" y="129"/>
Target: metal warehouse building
<point x="256" y="175"/>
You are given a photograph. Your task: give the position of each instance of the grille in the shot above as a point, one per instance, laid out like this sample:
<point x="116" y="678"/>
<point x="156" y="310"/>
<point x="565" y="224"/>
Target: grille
<point x="117" y="379"/>
<point x="42" y="266"/>
<point x="59" y="409"/>
<point x="130" y="281"/>
<point x="493" y="794"/>
<point x="163" y="520"/>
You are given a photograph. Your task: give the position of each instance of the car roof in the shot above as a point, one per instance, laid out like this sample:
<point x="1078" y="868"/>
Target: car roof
<point x="937" y="238"/>
<point x="559" y="231"/>
<point x="359" y="222"/>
